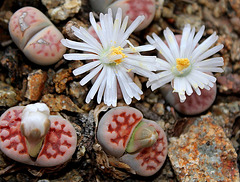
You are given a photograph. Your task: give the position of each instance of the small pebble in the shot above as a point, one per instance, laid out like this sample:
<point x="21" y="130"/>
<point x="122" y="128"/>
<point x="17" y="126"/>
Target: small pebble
<point x="204" y="153"/>
<point x="35" y="85"/>
<point x="8" y="96"/>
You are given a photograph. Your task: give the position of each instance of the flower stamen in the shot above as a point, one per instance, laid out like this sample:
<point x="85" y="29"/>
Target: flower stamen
<point x="182" y="63"/>
<point x="117" y="51"/>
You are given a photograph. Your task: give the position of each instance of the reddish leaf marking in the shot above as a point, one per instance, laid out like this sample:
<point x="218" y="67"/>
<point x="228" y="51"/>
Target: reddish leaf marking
<point x="147" y="154"/>
<point x="14" y="119"/>
<point x="44" y="47"/>
<point x="52" y="140"/>
<point x="125" y="132"/>
<point x="137" y="8"/>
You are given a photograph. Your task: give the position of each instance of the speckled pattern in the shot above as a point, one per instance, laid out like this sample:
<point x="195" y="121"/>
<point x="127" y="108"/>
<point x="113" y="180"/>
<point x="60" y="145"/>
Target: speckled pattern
<point x="204" y="153"/>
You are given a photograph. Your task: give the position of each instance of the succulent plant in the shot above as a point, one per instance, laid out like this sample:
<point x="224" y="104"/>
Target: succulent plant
<point x="34" y="126"/>
<point x="30" y="135"/>
<point x="140" y="143"/>
<point x="36" y="36"/>
<point x="194" y="104"/>
<point x="185" y="63"/>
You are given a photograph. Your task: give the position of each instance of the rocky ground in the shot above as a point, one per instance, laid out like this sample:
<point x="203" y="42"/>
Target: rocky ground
<point x="205" y="147"/>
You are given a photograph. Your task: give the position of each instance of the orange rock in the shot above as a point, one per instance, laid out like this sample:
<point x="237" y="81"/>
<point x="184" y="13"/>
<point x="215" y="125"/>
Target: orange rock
<point x="35" y="85"/>
<point x="204" y="153"/>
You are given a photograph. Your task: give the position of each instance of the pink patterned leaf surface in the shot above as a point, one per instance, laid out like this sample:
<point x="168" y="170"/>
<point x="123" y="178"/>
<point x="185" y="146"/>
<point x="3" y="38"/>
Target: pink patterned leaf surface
<point x="116" y="127"/>
<point x="149" y="160"/>
<point x="58" y="146"/>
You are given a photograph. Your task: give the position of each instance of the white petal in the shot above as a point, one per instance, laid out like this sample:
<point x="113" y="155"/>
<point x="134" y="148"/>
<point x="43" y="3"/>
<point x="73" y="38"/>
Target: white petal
<point x="190" y="44"/>
<point x="182" y="97"/>
<point x="203" y="46"/>
<point x="86" y="37"/>
<point x="213" y="69"/>
<point x="122" y="30"/>
<point x="198" y="91"/>
<point x="79" y="46"/>
<point x="141" y="64"/>
<point x="116" y="26"/>
<point x="189" y="90"/>
<point x="126" y="97"/>
<point x="101" y="90"/>
<point x="163" y="49"/>
<point x="112" y="86"/>
<point x="131" y="28"/>
<point x="210" y="63"/>
<point x="98" y="30"/>
<point x="86" y="67"/>
<point x="207" y="87"/>
<point x="78" y="56"/>
<point x="209" y="53"/>
<point x="163" y="65"/>
<point x="185" y="35"/>
<point x="96" y="85"/>
<point x="160" y="82"/>
<point x="172" y="42"/>
<point x="103" y="23"/>
<point x="135" y="89"/>
<point x="196" y="39"/>
<point x="138" y="70"/>
<point x="109" y="24"/>
<point x="210" y="84"/>
<point x="121" y="73"/>
<point x="93" y="73"/>
<point x="139" y="49"/>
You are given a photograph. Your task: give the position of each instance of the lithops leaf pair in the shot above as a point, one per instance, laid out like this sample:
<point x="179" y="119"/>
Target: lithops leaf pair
<point x="30" y="135"/>
<point x="36" y="36"/>
<point x="138" y="142"/>
<point x="130" y="8"/>
<point x="194" y="104"/>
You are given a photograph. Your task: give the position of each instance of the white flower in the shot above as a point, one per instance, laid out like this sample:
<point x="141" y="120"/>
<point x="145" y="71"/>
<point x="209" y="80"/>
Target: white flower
<point x="186" y="66"/>
<point x="112" y="58"/>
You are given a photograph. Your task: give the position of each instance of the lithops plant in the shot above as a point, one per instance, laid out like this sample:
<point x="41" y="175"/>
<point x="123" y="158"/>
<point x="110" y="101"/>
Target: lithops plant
<point x="185" y="63"/>
<point x="36" y="36"/>
<point x="140" y="143"/>
<point x="131" y="8"/>
<point x="30" y="135"/>
<point x="194" y="104"/>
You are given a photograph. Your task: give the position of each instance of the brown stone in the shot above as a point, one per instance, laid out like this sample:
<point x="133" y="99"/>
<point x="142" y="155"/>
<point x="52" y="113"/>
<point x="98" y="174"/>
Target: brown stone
<point x="229" y="83"/>
<point x="35" y="84"/>
<point x="58" y="103"/>
<point x="8" y="96"/>
<point x="67" y="31"/>
<point x="204" y="153"/>
<point x="61" y="78"/>
<point x="236" y="6"/>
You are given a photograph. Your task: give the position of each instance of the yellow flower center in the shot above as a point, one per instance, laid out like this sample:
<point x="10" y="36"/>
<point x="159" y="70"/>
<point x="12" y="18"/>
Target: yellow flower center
<point x="182" y="63"/>
<point x="117" y="51"/>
